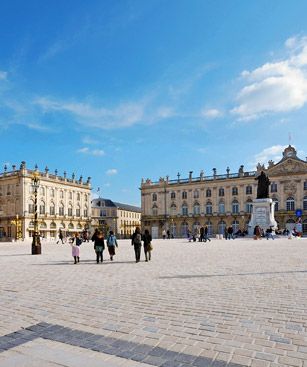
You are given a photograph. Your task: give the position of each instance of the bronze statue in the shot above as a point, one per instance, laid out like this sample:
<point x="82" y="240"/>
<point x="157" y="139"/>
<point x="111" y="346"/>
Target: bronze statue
<point x="263" y="186"/>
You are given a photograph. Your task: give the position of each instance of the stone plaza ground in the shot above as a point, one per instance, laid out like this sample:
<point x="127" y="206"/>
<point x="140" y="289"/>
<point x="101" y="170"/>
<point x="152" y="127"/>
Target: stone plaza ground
<point x="224" y="303"/>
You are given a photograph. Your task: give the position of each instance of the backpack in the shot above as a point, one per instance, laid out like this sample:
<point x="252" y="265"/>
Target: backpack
<point x="111" y="241"/>
<point x="78" y="241"/>
<point x="137" y="239"/>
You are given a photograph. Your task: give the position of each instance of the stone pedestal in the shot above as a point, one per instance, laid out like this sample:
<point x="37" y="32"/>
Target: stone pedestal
<point x="262" y="215"/>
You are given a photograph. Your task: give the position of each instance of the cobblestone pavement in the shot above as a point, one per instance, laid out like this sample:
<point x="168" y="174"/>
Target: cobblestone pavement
<point x="223" y="303"/>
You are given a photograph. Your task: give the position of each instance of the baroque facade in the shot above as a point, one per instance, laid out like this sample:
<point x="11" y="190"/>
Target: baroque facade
<point x="62" y="203"/>
<point x="110" y="215"/>
<point x="219" y="201"/>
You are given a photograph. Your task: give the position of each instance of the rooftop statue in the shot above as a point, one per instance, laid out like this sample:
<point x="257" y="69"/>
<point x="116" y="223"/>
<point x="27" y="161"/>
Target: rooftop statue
<point x="263" y="186"/>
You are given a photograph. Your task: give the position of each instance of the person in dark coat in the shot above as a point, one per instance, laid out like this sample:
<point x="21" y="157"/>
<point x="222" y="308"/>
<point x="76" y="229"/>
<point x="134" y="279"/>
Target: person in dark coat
<point x="147" y="245"/>
<point x="99" y="246"/>
<point x="136" y="241"/>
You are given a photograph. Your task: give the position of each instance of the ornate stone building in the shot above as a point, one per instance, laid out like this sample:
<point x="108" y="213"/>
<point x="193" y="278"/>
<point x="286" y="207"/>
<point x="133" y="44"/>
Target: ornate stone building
<point x="110" y="215"/>
<point x="222" y="200"/>
<point x="61" y="203"/>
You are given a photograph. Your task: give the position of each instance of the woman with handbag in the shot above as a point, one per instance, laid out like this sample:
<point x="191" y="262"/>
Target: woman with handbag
<point x="147" y="245"/>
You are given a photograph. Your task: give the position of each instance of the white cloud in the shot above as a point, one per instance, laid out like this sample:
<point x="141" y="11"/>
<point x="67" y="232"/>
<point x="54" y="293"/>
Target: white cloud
<point x="94" y="152"/>
<point x="275" y="87"/>
<point x="211" y="113"/>
<point x="273" y="153"/>
<point x="3" y="75"/>
<point x="112" y="172"/>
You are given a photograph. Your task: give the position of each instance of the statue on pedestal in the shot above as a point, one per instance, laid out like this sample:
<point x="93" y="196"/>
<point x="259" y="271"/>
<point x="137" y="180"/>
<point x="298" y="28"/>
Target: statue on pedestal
<point x="263" y="186"/>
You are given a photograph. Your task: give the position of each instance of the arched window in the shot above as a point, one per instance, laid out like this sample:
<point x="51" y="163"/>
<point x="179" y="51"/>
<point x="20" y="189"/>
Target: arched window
<point x="235" y="226"/>
<point x="62" y="225"/>
<point x="31" y="206"/>
<point x="79" y="226"/>
<point x="234" y="191"/>
<point x="305" y="203"/>
<point x="209" y="207"/>
<point x="249" y="206"/>
<point x="249" y="190"/>
<point x="196" y="194"/>
<point x="52" y="193"/>
<point x="52" y="225"/>
<point x="70" y="226"/>
<point x="70" y="195"/>
<point x="235" y="207"/>
<point x="78" y="196"/>
<point x="173" y="195"/>
<point x="221" y="191"/>
<point x="196" y="209"/>
<point x="52" y="208"/>
<point x="173" y="209"/>
<point x="208" y="193"/>
<point x="275" y="200"/>
<point x="78" y="211"/>
<point x="221" y="207"/>
<point x="69" y="210"/>
<point x="184" y="195"/>
<point x="42" y="190"/>
<point x="31" y="224"/>
<point x="221" y="227"/>
<point x="154" y="210"/>
<point x="184" y="209"/>
<point x="154" y="197"/>
<point x="290" y="204"/>
<point x="42" y="208"/>
<point x="61" y="209"/>
<point x="43" y="225"/>
<point x="61" y="194"/>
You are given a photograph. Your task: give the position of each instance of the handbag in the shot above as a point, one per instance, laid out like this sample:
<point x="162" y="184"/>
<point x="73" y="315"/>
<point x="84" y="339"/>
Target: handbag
<point x="150" y="247"/>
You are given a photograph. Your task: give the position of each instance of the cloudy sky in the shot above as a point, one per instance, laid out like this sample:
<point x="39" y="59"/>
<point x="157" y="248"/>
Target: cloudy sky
<point x="120" y="90"/>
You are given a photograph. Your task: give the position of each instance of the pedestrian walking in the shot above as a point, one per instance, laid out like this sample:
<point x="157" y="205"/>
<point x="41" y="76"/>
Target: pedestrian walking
<point x="269" y="233"/>
<point x="111" y="243"/>
<point x="99" y="246"/>
<point x="61" y="237"/>
<point x="230" y="232"/>
<point x="75" y="247"/>
<point x="164" y="234"/>
<point x="206" y="236"/>
<point x="136" y="241"/>
<point x="201" y="234"/>
<point x="147" y="245"/>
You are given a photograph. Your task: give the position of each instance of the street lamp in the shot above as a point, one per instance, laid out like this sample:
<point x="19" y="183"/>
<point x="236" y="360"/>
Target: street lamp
<point x="36" y="242"/>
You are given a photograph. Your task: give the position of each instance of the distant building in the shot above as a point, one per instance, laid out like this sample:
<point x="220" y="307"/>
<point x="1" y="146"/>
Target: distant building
<point x="110" y="215"/>
<point x="62" y="203"/>
<point x="221" y="200"/>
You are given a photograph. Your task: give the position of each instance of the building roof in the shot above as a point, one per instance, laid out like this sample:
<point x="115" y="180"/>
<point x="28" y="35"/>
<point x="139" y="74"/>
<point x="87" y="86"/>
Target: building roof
<point x="102" y="202"/>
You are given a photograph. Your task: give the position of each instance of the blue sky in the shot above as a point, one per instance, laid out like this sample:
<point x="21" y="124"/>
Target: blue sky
<point x="120" y="90"/>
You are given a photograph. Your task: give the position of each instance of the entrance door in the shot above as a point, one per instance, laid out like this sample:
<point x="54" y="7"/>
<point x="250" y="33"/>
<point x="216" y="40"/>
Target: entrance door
<point x="154" y="232"/>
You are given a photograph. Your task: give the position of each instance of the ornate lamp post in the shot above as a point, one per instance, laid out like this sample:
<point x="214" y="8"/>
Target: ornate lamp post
<point x="17" y="223"/>
<point x="36" y="242"/>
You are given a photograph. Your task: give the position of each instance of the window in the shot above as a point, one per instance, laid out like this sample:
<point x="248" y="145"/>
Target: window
<point x="221" y="207"/>
<point x="31" y="207"/>
<point x="78" y="212"/>
<point x="155" y="210"/>
<point x="210" y="228"/>
<point x="235" y="226"/>
<point x="61" y="209"/>
<point x="208" y="193"/>
<point x="85" y="212"/>
<point x="173" y="195"/>
<point x="290" y="204"/>
<point x="103" y="213"/>
<point x="9" y="190"/>
<point x="273" y="187"/>
<point x="184" y="209"/>
<point x="1" y="192"/>
<point x="305" y="203"/>
<point x="196" y="209"/>
<point x="173" y="209"/>
<point x="234" y="191"/>
<point x="184" y="229"/>
<point x="69" y="211"/>
<point x="31" y="189"/>
<point x="249" y="206"/>
<point x="85" y="197"/>
<point x="235" y="207"/>
<point x="249" y="190"/>
<point x="154" y="197"/>
<point x="276" y="204"/>
<point x="61" y="194"/>
<point x="221" y="227"/>
<point x="184" y="195"/>
<point x="221" y="192"/>
<point x="70" y="195"/>
<point x="78" y="196"/>
<point x="196" y="194"/>
<point x="305" y="185"/>
<point x="209" y="207"/>
<point x="52" y="209"/>
<point x="52" y="193"/>
<point x="42" y="208"/>
<point x="42" y="190"/>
